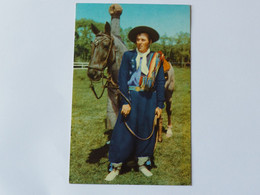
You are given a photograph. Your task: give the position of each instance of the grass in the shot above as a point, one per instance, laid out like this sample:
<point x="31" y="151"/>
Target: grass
<point x="89" y="151"/>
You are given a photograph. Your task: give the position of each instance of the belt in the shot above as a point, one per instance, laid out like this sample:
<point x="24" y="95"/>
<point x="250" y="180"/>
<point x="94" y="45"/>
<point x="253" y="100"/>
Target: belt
<point x="137" y="88"/>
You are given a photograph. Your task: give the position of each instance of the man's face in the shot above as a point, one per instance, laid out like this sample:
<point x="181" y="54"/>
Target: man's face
<point x="142" y="42"/>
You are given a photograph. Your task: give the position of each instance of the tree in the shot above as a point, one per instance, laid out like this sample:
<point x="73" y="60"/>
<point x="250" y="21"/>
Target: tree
<point x="181" y="48"/>
<point x="166" y="45"/>
<point x="83" y="39"/>
<point x="176" y="48"/>
<point x="124" y="36"/>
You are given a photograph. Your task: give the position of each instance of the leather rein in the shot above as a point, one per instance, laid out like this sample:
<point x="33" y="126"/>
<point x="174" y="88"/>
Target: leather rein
<point x="114" y="85"/>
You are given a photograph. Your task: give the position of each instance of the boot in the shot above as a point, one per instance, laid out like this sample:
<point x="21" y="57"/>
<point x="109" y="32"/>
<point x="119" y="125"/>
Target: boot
<point x="142" y="167"/>
<point x="116" y="169"/>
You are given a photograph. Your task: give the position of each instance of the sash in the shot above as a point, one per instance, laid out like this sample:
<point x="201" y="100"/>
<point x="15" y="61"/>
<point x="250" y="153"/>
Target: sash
<point x="154" y="64"/>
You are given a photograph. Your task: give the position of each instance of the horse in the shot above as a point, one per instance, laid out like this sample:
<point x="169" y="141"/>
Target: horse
<point x="107" y="52"/>
<point x="169" y="88"/>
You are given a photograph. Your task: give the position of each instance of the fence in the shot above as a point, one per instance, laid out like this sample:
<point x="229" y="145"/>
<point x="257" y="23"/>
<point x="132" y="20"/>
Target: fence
<point x="80" y="65"/>
<point x="84" y="65"/>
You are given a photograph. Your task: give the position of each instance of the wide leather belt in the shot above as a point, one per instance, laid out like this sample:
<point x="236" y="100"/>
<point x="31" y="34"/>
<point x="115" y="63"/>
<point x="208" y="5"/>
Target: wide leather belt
<point x="137" y="88"/>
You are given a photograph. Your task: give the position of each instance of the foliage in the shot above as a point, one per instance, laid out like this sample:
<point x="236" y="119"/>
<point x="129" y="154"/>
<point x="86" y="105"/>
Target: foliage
<point x="83" y="39"/>
<point x="89" y="157"/>
<point x="177" y="48"/>
<point x="181" y="49"/>
<point x="124" y="36"/>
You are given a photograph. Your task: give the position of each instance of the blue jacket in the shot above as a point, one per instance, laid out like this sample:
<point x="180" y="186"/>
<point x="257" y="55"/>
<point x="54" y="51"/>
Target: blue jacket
<point x="128" y="67"/>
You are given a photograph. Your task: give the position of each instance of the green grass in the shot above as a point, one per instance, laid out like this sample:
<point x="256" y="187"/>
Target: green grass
<point x="89" y="157"/>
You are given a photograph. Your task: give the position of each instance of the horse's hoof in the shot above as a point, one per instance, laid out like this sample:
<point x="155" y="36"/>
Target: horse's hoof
<point x="169" y="133"/>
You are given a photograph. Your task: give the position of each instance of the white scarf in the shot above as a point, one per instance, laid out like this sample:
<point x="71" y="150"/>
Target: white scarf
<point x="144" y="68"/>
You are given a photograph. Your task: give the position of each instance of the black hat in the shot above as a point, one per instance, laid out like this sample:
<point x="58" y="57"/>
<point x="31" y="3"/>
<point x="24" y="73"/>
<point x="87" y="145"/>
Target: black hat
<point x="153" y="34"/>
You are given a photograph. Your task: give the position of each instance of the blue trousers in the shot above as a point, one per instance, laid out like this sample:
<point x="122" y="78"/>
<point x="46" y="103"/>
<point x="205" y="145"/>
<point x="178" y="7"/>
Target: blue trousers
<point x="140" y="120"/>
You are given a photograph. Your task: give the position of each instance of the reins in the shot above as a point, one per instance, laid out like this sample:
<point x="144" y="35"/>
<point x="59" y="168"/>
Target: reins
<point x="115" y="86"/>
<point x="128" y="127"/>
<point x="133" y="133"/>
<point x="103" y="65"/>
<point x="103" y="86"/>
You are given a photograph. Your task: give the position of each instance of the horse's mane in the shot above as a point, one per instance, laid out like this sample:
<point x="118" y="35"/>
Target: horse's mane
<point x="119" y="42"/>
<point x="117" y="36"/>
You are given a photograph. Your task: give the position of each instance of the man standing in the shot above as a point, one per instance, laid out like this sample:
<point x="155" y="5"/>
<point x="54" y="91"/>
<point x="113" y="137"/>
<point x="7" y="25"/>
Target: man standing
<point x="141" y="82"/>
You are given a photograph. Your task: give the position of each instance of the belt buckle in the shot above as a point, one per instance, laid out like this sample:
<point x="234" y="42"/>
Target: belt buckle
<point x="140" y="88"/>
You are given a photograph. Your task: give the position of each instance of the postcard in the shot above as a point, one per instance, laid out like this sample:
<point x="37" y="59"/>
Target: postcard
<point x="131" y="109"/>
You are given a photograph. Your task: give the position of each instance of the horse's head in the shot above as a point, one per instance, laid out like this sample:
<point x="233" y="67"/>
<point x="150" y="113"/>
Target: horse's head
<point x="102" y="53"/>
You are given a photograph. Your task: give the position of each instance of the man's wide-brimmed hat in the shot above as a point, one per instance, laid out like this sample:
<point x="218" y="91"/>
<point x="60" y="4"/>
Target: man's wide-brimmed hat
<point x="153" y="34"/>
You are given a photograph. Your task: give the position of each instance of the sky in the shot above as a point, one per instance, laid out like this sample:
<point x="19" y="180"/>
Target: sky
<point x="166" y="19"/>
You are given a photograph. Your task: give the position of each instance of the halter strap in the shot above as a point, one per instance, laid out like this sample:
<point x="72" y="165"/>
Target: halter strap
<point x="96" y="43"/>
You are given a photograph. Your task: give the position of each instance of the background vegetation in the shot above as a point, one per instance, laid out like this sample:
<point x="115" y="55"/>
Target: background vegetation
<point x="89" y="137"/>
<point x="177" y="48"/>
<point x="89" y="148"/>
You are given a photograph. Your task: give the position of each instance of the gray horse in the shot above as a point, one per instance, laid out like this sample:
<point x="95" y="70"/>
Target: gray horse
<point x="169" y="88"/>
<point x="107" y="52"/>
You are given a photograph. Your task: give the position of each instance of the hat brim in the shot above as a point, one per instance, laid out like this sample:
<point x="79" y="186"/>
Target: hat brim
<point x="153" y="34"/>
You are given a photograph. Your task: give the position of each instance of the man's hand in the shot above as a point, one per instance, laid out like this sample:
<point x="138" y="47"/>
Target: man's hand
<point x="126" y="110"/>
<point x="158" y="112"/>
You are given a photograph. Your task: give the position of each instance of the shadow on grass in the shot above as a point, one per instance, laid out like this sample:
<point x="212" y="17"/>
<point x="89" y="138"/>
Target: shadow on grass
<point x="164" y="130"/>
<point x="97" y="154"/>
<point x="131" y="165"/>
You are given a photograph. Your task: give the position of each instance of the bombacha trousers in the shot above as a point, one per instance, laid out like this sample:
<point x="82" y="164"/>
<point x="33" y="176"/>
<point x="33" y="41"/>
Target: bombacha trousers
<point x="123" y="144"/>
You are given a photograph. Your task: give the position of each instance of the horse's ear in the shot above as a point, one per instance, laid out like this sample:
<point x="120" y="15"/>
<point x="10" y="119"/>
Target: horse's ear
<point x="107" y="29"/>
<point x="94" y="29"/>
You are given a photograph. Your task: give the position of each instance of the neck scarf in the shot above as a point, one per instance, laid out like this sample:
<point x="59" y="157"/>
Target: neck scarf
<point x="142" y="57"/>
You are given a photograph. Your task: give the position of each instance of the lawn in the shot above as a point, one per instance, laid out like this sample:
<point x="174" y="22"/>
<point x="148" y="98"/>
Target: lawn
<point x="89" y="137"/>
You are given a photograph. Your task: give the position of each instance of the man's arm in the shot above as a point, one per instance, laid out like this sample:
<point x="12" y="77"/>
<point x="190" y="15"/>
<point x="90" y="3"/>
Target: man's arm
<point x="123" y="77"/>
<point x="122" y="81"/>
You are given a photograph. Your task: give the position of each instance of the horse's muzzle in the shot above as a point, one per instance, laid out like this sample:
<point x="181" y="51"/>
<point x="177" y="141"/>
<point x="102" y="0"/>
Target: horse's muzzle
<point x="94" y="75"/>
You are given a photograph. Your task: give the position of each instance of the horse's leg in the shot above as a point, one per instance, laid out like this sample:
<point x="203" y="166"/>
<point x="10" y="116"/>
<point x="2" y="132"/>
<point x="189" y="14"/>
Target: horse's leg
<point x="112" y="108"/>
<point x="169" y="113"/>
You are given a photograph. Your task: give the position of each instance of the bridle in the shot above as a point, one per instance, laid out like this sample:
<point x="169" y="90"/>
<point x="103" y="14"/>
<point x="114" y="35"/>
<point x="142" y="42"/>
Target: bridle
<point x="104" y="64"/>
<point x="111" y="84"/>
<point x="96" y="42"/>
